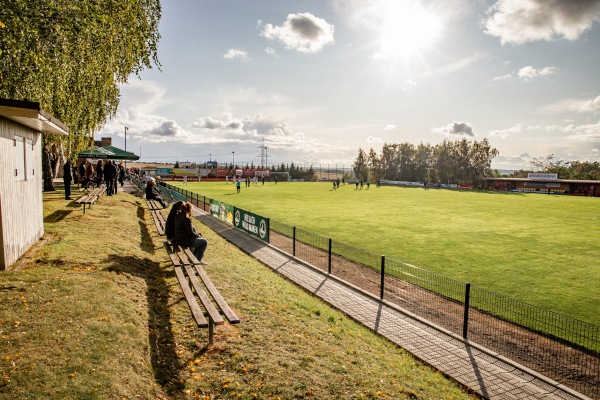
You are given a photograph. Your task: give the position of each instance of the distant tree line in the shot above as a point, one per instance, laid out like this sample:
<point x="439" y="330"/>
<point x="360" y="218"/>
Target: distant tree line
<point x="581" y="170"/>
<point x="295" y="171"/>
<point x="461" y="161"/>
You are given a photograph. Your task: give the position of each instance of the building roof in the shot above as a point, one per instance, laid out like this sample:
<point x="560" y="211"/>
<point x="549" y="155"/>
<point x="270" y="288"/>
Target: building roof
<point x="30" y="114"/>
<point x="543" y="180"/>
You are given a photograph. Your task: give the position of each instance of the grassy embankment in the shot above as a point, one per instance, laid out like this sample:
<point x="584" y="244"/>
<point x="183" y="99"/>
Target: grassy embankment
<point x="97" y="313"/>
<point x="537" y="248"/>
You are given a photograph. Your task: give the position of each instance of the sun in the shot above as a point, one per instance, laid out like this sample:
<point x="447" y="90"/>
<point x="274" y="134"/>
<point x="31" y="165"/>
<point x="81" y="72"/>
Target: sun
<point x="408" y="28"/>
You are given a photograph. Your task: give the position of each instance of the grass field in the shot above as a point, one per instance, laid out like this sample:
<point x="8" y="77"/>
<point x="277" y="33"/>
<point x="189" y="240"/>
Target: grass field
<point x="95" y="312"/>
<point x="542" y="249"/>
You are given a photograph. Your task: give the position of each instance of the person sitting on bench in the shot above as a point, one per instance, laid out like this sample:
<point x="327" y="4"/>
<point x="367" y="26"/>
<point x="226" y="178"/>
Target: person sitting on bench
<point x="152" y="193"/>
<point x="170" y="223"/>
<point x="186" y="235"/>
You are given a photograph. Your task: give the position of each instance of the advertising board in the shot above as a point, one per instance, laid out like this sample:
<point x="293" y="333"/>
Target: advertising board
<point x="253" y="224"/>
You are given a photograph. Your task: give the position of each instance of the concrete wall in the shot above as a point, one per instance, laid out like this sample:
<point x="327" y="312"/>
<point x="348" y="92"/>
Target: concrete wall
<point x="21" y="209"/>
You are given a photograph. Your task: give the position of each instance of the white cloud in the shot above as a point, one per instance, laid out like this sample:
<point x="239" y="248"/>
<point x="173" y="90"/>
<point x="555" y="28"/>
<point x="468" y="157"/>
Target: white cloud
<point x="506" y="77"/>
<point x="529" y="72"/>
<point x="574" y="105"/>
<point x="302" y="32"/>
<point x="389" y="127"/>
<point x="504" y="133"/>
<point x="409" y="85"/>
<point x="591" y="106"/>
<point x="277" y="134"/>
<point x="373" y="139"/>
<point x="522" y="21"/>
<point x="458" y="64"/>
<point x="271" y="51"/>
<point x="139" y="113"/>
<point x="456" y="128"/>
<point x="235" y="54"/>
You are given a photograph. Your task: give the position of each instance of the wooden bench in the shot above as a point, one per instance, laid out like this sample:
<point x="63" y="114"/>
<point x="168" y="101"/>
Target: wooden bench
<point x="91" y="197"/>
<point x="159" y="219"/>
<point x="193" y="280"/>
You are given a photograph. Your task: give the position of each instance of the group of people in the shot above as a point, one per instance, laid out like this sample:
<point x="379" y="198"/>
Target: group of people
<point x="110" y="173"/>
<point x="180" y="231"/>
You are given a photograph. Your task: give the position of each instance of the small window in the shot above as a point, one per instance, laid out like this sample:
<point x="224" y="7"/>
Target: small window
<point x="19" y="152"/>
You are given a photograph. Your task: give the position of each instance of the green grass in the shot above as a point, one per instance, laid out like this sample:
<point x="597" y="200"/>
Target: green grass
<point x="97" y="313"/>
<point x="541" y="249"/>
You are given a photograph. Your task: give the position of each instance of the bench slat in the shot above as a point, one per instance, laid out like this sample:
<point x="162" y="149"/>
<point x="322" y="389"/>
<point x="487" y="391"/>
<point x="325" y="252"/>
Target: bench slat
<point x="172" y="255"/>
<point x="191" y="300"/>
<point x="208" y="305"/>
<point x="214" y="292"/>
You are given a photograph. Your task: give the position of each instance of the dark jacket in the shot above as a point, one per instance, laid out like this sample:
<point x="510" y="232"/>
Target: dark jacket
<point x="170" y="223"/>
<point x="110" y="172"/>
<point x="151" y="193"/>
<point x="185" y="234"/>
<point x="67" y="175"/>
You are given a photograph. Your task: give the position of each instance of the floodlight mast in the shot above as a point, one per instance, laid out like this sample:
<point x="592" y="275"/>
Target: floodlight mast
<point x="126" y="128"/>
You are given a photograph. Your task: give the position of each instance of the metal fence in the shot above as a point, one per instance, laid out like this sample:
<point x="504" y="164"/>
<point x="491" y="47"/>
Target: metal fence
<point x="560" y="347"/>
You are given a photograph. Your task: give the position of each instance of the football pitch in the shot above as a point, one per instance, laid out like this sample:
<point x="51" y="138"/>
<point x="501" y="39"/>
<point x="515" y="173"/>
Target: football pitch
<point x="541" y="249"/>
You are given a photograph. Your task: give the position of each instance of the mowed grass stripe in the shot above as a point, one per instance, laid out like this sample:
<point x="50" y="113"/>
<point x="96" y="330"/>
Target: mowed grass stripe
<point x="541" y="249"/>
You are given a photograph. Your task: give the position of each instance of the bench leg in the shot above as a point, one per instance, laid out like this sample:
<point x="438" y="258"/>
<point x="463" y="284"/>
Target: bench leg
<point x="210" y="332"/>
<point x="84" y="208"/>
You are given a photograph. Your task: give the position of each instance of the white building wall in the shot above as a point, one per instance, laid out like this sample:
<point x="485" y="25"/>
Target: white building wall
<point x="21" y="208"/>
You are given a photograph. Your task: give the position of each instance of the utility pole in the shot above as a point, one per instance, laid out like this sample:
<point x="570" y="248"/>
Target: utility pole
<point x="233" y="155"/>
<point x="126" y="145"/>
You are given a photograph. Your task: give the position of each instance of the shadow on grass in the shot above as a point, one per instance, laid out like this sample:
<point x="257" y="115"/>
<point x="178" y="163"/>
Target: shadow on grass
<point x="163" y="354"/>
<point x="57" y="216"/>
<point x="146" y="243"/>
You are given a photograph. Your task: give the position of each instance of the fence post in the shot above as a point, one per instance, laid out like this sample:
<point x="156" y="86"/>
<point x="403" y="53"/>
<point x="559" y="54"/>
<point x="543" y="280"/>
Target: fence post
<point x="204" y="203"/>
<point x="329" y="258"/>
<point x="466" y="315"/>
<point x="382" y="277"/>
<point x="197" y="201"/>
<point x="294" y="242"/>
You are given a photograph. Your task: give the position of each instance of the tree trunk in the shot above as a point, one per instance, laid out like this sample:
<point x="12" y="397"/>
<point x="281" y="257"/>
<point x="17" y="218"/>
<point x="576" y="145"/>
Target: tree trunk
<point x="47" y="168"/>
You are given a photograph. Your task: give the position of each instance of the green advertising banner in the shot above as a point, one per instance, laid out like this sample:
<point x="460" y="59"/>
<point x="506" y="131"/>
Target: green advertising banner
<point x="222" y="211"/>
<point x="253" y="224"/>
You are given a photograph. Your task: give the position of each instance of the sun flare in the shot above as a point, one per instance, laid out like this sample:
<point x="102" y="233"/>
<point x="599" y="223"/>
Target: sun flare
<point x="407" y="29"/>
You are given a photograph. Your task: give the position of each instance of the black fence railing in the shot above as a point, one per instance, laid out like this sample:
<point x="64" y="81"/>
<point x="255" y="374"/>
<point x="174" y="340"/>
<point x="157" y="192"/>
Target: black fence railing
<point x="560" y="347"/>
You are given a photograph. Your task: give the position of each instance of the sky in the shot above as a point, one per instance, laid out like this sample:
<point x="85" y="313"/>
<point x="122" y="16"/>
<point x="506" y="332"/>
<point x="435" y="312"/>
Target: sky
<point x="312" y="81"/>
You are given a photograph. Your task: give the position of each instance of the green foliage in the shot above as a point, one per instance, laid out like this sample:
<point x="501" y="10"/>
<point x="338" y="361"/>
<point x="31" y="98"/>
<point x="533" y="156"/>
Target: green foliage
<point x="458" y="162"/>
<point x="71" y="56"/>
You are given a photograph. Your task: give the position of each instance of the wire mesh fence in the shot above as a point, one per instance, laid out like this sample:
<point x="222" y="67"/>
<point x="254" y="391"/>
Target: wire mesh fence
<point x="560" y="347"/>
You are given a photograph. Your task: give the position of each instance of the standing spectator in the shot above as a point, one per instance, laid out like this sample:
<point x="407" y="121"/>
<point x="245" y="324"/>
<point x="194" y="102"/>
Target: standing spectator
<point x="186" y="235"/>
<point x="152" y="193"/>
<point x="89" y="173"/>
<point x="99" y="173"/>
<point x="110" y="174"/>
<point x="121" y="174"/>
<point x="67" y="178"/>
<point x="82" y="173"/>
<point x="53" y="160"/>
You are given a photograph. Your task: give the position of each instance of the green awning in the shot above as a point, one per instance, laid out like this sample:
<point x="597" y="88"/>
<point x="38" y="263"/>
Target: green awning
<point x="108" y="153"/>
